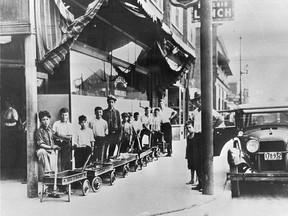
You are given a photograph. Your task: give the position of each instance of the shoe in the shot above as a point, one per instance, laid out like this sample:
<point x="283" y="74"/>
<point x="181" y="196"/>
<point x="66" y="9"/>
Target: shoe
<point x="198" y="187"/>
<point x="54" y="195"/>
<point x="190" y="182"/>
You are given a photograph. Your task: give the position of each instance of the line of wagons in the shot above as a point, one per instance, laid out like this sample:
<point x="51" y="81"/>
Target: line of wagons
<point x="92" y="174"/>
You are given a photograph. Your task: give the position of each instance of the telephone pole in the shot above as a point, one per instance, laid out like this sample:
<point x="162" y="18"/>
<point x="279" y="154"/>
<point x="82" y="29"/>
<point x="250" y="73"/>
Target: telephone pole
<point x="207" y="95"/>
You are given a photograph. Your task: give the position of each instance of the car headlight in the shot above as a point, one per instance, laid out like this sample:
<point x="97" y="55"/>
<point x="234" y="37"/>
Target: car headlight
<point x="252" y="146"/>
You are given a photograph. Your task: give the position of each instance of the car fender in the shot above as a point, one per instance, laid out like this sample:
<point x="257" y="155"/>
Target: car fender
<point x="235" y="157"/>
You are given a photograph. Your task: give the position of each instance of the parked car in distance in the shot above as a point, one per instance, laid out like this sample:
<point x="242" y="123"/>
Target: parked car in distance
<point x="260" y="144"/>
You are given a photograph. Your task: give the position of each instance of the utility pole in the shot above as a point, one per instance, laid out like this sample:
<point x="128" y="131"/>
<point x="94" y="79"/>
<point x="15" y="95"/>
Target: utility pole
<point x="240" y="98"/>
<point x="207" y="95"/>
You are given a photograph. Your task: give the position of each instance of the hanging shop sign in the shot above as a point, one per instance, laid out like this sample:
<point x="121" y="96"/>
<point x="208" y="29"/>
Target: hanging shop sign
<point x="184" y="3"/>
<point x="222" y="10"/>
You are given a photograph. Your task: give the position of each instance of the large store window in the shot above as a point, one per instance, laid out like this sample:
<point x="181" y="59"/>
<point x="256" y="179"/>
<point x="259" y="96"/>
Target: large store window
<point x="95" y="77"/>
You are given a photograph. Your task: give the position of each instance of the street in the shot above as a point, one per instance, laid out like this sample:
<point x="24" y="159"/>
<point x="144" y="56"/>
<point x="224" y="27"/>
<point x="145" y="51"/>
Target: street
<point x="158" y="189"/>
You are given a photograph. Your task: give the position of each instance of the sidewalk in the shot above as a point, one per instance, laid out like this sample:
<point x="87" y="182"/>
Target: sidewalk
<point x="158" y="189"/>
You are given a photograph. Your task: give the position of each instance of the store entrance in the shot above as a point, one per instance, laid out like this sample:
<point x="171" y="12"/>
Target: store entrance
<point x="13" y="117"/>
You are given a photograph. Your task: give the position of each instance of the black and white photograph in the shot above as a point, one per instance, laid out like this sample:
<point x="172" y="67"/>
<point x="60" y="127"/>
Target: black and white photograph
<point x="143" y="107"/>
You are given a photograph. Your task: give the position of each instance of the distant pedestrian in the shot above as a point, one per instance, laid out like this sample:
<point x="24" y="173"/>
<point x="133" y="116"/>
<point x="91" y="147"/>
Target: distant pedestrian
<point x="197" y="139"/>
<point x="112" y="117"/>
<point x="167" y="114"/>
<point x="83" y="142"/>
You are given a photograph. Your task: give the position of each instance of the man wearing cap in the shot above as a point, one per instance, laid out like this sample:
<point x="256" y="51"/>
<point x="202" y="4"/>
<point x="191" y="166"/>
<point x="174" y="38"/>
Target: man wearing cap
<point x="166" y="114"/>
<point x="197" y="139"/>
<point x="112" y="116"/>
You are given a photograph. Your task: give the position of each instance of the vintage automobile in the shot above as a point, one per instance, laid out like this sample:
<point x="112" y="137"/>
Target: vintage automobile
<point x="260" y="144"/>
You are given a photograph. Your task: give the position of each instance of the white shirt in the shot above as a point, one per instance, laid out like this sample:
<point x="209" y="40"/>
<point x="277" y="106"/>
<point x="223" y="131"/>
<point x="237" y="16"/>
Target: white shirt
<point x="196" y="116"/>
<point x="146" y="120"/>
<point x="84" y="137"/>
<point x="63" y="128"/>
<point x="99" y="127"/>
<point x="165" y="114"/>
<point x="137" y="125"/>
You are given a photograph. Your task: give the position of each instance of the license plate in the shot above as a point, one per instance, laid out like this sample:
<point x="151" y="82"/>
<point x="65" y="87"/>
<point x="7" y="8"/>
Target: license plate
<point x="273" y="156"/>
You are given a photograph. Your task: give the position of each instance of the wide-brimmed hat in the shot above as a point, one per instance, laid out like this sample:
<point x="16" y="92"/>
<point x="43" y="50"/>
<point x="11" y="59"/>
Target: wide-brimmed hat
<point x="111" y="97"/>
<point x="197" y="95"/>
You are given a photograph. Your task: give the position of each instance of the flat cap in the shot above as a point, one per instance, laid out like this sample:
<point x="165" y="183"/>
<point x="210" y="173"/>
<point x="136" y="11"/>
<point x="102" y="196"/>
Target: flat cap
<point x="111" y="97"/>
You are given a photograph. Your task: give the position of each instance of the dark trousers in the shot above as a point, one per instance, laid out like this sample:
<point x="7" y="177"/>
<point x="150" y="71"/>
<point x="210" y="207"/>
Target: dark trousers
<point x="142" y="133"/>
<point x="81" y="155"/>
<point x="156" y="137"/>
<point x="100" y="149"/>
<point x="113" y="140"/>
<point x="197" y="153"/>
<point x="166" y="128"/>
<point x="65" y="155"/>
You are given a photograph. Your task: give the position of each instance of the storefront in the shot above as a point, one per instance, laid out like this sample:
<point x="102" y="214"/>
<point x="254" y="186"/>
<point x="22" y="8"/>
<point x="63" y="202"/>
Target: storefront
<point x="114" y="47"/>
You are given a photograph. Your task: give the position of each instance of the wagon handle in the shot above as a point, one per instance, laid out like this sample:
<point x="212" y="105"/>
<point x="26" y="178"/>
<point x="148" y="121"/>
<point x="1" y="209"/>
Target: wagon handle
<point x="56" y="170"/>
<point x="86" y="162"/>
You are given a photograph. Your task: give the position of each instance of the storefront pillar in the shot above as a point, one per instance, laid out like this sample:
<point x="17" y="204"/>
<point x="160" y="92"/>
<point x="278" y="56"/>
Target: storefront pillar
<point x="31" y="106"/>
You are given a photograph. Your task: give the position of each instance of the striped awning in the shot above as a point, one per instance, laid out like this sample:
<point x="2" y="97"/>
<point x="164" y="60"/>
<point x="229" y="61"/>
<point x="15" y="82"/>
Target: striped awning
<point x="53" y="58"/>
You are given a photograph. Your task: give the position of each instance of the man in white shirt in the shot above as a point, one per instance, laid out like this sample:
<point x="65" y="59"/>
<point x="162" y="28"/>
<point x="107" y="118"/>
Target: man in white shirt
<point x="166" y="115"/>
<point x="197" y="139"/>
<point x="64" y="131"/>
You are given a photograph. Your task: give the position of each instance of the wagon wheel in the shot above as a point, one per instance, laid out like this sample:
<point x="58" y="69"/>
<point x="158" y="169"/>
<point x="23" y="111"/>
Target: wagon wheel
<point x="140" y="163"/>
<point x="235" y="186"/>
<point x="151" y="157"/>
<point x="69" y="192"/>
<point x="135" y="165"/>
<point x="144" y="161"/>
<point x="42" y="193"/>
<point x="124" y="171"/>
<point x="85" y="187"/>
<point x="157" y="153"/>
<point x="96" y="184"/>
<point x="112" y="177"/>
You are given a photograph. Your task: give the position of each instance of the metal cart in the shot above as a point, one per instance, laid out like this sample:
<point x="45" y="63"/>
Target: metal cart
<point x="60" y="183"/>
<point x="125" y="162"/>
<point x="97" y="171"/>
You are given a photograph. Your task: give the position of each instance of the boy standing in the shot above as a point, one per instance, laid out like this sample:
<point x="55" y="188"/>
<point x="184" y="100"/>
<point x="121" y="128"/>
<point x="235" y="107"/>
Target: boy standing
<point x="156" y="122"/>
<point x="137" y="127"/>
<point x="83" y="142"/>
<point x="190" y="150"/>
<point x="64" y="132"/>
<point x="127" y="132"/>
<point x="45" y="143"/>
<point x="100" y="130"/>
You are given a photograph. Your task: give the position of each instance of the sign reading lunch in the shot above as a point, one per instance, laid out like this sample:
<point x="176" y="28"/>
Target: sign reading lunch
<point x="222" y="10"/>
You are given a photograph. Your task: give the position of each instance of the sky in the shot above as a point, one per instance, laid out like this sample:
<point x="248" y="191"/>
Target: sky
<point x="263" y="27"/>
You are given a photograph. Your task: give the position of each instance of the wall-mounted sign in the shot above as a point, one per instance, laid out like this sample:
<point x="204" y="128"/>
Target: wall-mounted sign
<point x="184" y="3"/>
<point x="222" y="10"/>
